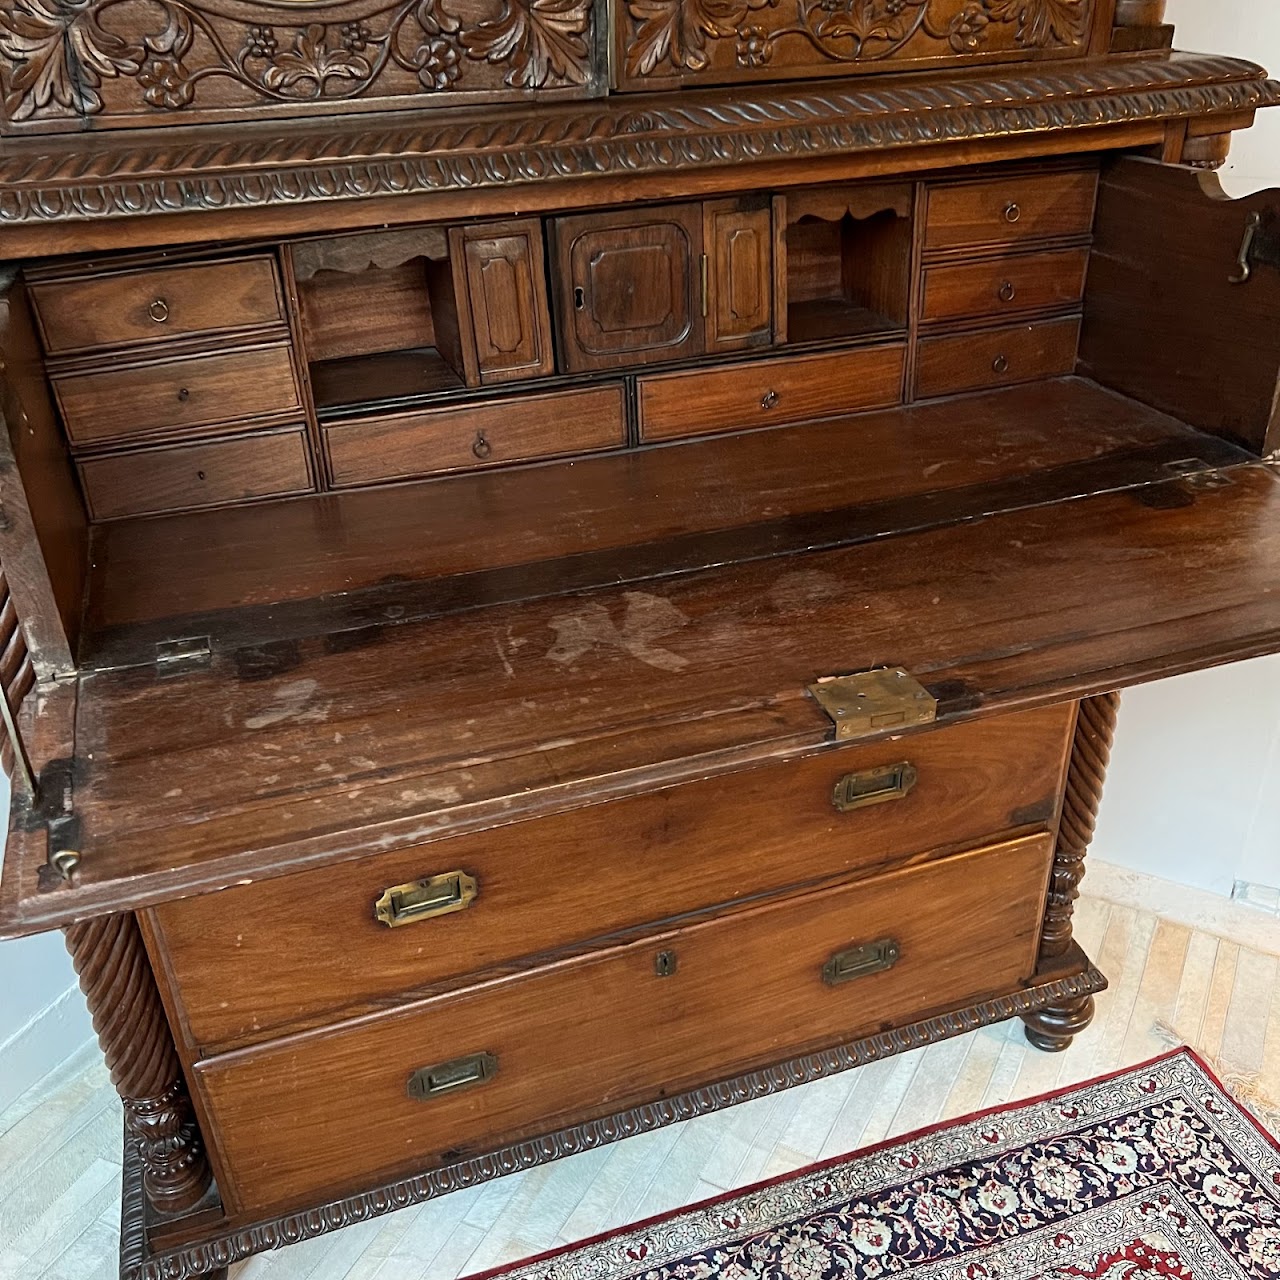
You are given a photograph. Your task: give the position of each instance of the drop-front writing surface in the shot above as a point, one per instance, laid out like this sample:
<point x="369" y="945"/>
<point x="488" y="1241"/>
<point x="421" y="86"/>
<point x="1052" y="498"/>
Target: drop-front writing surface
<point x="480" y="566"/>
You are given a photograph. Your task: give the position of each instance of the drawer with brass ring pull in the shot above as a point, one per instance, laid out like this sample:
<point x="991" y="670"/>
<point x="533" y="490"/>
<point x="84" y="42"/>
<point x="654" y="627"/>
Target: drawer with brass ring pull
<point x="1008" y="285"/>
<point x="359" y="1103"/>
<point x="1010" y="209"/>
<point x="293" y="951"/>
<point x="996" y="357"/>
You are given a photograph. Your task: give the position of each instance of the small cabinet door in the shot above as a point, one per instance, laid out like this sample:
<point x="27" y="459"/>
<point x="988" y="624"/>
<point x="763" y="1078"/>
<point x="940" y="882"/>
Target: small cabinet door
<point x="738" y="238"/>
<point x="504" y="280"/>
<point x="628" y="287"/>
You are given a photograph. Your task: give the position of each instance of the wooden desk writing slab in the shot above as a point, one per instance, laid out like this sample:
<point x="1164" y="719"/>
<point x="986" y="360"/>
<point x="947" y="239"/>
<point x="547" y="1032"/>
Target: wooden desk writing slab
<point x="568" y="566"/>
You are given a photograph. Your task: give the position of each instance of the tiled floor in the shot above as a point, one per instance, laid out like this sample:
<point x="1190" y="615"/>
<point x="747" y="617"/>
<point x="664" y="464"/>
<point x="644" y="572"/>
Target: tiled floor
<point x="1210" y="982"/>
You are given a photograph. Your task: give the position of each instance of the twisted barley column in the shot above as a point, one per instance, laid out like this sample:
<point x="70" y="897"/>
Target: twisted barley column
<point x="1053" y="1028"/>
<point x="1086" y="774"/>
<point x="120" y="990"/>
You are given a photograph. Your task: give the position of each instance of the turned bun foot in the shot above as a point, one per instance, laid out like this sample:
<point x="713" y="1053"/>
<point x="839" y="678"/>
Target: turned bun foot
<point x="1053" y="1029"/>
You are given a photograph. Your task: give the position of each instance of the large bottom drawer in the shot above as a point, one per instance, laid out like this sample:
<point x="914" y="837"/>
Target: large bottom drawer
<point x="463" y="1074"/>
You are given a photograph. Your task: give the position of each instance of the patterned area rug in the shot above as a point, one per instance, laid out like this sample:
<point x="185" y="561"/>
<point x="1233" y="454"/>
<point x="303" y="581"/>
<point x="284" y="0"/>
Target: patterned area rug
<point x="1155" y="1172"/>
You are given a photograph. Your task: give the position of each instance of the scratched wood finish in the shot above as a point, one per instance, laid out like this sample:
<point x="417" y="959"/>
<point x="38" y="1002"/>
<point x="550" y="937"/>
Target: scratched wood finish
<point x="285" y="952"/>
<point x="585" y="1038"/>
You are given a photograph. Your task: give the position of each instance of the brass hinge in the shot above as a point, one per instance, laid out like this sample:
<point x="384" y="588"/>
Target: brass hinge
<point x="190" y="653"/>
<point x="874" y="701"/>
<point x="1198" y="473"/>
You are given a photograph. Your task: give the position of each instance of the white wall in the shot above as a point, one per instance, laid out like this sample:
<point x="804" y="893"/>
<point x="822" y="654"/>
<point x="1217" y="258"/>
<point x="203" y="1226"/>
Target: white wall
<point x="1194" y="791"/>
<point x="1195" y="785"/>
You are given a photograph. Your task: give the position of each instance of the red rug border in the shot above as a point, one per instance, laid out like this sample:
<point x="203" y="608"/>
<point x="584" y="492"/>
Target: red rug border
<point x="1001" y="1109"/>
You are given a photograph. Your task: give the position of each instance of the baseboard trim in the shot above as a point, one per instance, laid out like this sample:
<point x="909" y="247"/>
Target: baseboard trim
<point x="43" y="1047"/>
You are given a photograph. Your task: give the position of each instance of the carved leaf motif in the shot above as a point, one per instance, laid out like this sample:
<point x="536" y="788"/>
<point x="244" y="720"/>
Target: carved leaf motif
<point x="677" y="31"/>
<point x="433" y="18"/>
<point x="44" y="40"/>
<point x="543" y="40"/>
<point x="306" y="68"/>
<point x="863" y="21"/>
<point x="1043" y="22"/>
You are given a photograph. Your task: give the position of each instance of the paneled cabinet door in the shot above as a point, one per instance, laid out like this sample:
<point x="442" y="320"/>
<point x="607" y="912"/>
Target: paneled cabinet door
<point x="738" y="303"/>
<point x="505" y="284"/>
<point x="628" y="287"/>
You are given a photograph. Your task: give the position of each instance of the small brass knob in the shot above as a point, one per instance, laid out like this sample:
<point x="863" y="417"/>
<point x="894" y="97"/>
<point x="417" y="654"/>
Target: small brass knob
<point x="769" y="400"/>
<point x="1012" y="212"/>
<point x="159" y="311"/>
<point x="1000" y="364"/>
<point x="481" y="446"/>
<point x="1008" y="291"/>
<point x="184" y="393"/>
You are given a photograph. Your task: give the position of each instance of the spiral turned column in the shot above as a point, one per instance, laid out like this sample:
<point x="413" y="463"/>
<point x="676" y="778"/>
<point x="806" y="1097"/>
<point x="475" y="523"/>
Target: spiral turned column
<point x="115" y="976"/>
<point x="1052" y="1029"/>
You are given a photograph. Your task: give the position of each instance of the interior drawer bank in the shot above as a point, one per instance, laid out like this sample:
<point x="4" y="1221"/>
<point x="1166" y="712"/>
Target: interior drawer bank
<point x="468" y="1073"/>
<point x="457" y="438"/>
<point x="297" y="949"/>
<point x="767" y="393"/>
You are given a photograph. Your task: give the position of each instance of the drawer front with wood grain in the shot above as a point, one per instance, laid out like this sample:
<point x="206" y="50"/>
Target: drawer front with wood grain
<point x="468" y="1073"/>
<point x="158" y="304"/>
<point x="997" y="357"/>
<point x="177" y="397"/>
<point x="768" y="393"/>
<point x="488" y="434"/>
<point x="1010" y="210"/>
<point x="205" y="474"/>
<point x="298" y="949"/>
<point x="1005" y="286"/>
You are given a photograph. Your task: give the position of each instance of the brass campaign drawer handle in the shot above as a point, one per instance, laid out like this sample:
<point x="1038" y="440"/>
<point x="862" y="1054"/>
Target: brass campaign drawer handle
<point x="874" y="786"/>
<point x="449" y="1077"/>
<point x="426" y="899"/>
<point x="858" y="962"/>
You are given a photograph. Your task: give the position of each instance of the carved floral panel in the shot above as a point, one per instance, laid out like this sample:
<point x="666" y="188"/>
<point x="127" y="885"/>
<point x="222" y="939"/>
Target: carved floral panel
<point x="668" y="42"/>
<point x="178" y="61"/>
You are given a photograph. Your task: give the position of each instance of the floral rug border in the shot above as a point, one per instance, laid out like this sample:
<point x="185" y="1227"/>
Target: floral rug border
<point x="643" y="1249"/>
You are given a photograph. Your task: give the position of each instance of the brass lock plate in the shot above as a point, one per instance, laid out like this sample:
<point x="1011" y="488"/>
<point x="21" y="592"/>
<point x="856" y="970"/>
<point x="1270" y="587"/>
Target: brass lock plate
<point x="874" y="702"/>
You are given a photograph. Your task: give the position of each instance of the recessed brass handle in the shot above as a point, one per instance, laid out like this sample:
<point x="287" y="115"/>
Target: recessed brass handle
<point x="1008" y="291"/>
<point x="769" y="400"/>
<point x="449" y="1077"/>
<point x="1012" y="212"/>
<point x="858" y="962"/>
<point x="1000" y="364"/>
<point x="426" y="899"/>
<point x="874" y="786"/>
<point x="159" y="311"/>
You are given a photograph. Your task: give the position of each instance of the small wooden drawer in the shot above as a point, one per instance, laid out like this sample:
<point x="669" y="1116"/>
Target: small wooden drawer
<point x="469" y="1073"/>
<point x="204" y="474"/>
<point x="766" y="393"/>
<point x="997" y="357"/>
<point x="1010" y="210"/>
<point x="293" y="950"/>
<point x="463" y="437"/>
<point x="157" y="304"/>
<point x="177" y="397"/>
<point x="1005" y="286"/>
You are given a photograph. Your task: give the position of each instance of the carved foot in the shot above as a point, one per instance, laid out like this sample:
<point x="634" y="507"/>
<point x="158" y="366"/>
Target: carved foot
<point x="1053" y="1029"/>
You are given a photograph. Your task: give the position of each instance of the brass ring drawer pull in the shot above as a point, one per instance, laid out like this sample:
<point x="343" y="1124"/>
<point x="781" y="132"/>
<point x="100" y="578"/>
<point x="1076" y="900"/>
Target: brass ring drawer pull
<point x="1000" y="364"/>
<point x="449" y="1077"/>
<point x="1008" y="291"/>
<point x="769" y="400"/>
<point x="426" y="899"/>
<point x="874" y="786"/>
<point x="1012" y="212"/>
<point x="159" y="311"/>
<point x="858" y="962"/>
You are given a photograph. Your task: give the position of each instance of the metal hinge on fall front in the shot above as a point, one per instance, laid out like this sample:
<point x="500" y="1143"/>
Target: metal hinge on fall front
<point x="189" y="653"/>
<point x="874" y="702"/>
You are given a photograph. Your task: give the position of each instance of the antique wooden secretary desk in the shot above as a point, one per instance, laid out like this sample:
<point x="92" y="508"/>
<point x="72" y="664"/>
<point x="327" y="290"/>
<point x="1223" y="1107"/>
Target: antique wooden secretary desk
<point x="568" y="563"/>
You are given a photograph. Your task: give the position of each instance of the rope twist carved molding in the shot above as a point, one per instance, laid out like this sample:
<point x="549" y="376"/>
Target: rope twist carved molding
<point x="115" y="976"/>
<point x="1086" y="775"/>
<point x="224" y="1249"/>
<point x="57" y="179"/>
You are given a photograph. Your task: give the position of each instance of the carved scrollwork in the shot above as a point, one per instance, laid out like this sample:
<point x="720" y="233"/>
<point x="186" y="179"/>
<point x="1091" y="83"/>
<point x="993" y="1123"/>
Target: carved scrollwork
<point x="680" y="34"/>
<point x="57" y="55"/>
